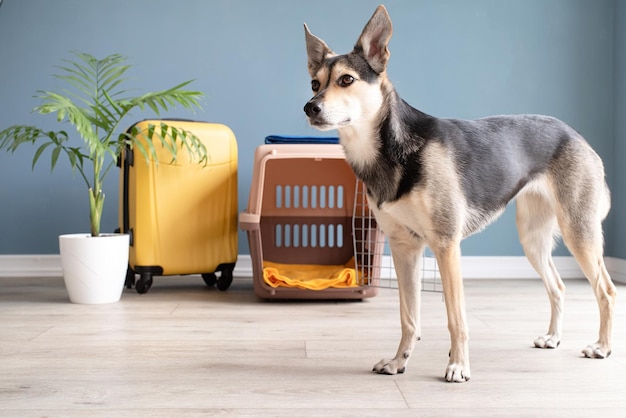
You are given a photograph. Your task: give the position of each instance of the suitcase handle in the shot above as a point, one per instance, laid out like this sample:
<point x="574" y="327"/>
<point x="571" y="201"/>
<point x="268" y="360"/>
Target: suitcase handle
<point x="126" y="160"/>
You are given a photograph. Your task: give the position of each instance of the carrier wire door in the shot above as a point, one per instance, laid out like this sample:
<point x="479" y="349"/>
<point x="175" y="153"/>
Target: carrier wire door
<point x="374" y="264"/>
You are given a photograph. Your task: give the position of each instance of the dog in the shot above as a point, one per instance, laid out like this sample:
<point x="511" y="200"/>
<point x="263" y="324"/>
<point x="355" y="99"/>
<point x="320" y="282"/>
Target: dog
<point x="432" y="182"/>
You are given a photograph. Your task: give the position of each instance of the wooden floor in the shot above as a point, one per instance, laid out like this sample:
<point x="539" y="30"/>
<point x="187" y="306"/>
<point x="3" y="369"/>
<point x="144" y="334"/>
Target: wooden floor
<point x="184" y="350"/>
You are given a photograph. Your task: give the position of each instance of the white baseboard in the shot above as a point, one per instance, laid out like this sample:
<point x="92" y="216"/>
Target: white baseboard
<point x="30" y="266"/>
<point x="617" y="269"/>
<point x="512" y="267"/>
<point x="50" y="266"/>
<point x="472" y="267"/>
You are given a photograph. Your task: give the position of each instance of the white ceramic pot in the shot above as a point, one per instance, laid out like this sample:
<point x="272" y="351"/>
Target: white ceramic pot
<point x="94" y="268"/>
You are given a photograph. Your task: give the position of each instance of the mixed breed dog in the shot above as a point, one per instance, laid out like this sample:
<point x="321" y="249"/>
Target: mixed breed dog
<point x="432" y="182"/>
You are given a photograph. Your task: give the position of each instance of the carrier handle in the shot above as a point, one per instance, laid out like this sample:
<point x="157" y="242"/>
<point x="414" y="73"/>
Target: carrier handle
<point x="249" y="221"/>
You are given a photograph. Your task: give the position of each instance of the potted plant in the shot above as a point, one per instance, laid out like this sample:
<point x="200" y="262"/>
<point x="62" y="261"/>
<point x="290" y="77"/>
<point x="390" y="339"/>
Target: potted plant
<point x="95" y="105"/>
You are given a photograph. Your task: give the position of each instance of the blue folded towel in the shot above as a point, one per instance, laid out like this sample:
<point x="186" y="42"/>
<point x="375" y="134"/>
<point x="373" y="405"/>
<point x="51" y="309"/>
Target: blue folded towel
<point x="280" y="139"/>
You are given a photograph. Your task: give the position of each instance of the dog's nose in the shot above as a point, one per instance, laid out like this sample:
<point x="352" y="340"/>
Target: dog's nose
<point x="312" y="108"/>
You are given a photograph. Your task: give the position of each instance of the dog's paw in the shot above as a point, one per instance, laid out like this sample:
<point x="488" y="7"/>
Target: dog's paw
<point x="457" y="373"/>
<point x="547" y="341"/>
<point x="389" y="367"/>
<point x="596" y="350"/>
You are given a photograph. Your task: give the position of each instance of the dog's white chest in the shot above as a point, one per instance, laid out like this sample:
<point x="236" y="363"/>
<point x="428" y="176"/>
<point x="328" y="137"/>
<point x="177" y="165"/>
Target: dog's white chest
<point x="359" y="145"/>
<point x="408" y="213"/>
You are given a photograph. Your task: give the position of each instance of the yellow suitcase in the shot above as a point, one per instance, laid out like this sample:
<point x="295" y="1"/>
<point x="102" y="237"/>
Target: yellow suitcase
<point x="182" y="216"/>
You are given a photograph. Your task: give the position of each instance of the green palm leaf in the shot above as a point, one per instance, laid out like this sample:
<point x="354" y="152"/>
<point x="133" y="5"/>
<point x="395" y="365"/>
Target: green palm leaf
<point x="95" y="105"/>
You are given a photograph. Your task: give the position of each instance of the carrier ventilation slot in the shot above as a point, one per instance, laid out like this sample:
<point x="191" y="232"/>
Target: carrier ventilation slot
<point x="315" y="196"/>
<point x="309" y="236"/>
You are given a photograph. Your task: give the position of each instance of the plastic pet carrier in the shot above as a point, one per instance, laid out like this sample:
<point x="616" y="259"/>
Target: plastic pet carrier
<point x="310" y="230"/>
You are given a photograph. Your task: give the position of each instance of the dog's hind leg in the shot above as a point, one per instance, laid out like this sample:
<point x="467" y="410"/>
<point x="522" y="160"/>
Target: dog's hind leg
<point x="588" y="254"/>
<point x="406" y="251"/>
<point x="583" y="202"/>
<point x="537" y="225"/>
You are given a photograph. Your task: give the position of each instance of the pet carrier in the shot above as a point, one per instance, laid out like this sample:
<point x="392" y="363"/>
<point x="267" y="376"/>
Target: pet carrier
<point x="305" y="240"/>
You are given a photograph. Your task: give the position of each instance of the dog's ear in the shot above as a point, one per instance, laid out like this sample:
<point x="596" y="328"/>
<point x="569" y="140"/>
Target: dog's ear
<point x="316" y="49"/>
<point x="372" y="43"/>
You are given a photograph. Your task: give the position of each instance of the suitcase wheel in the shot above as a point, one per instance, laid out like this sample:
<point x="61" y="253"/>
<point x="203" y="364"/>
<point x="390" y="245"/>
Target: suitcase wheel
<point x="144" y="283"/>
<point x="210" y="279"/>
<point x="223" y="282"/>
<point x="130" y="278"/>
<point x="225" y="279"/>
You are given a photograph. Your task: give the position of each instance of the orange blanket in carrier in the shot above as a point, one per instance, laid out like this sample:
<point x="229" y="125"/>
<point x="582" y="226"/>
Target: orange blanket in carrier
<point x="310" y="276"/>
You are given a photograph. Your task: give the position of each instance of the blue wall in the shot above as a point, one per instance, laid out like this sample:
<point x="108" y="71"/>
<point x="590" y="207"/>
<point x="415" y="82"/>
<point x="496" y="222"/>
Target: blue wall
<point x="615" y="237"/>
<point x="450" y="58"/>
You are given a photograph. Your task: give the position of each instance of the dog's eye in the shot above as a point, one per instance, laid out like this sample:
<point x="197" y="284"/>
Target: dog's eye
<point x="315" y="86"/>
<point x="346" y="80"/>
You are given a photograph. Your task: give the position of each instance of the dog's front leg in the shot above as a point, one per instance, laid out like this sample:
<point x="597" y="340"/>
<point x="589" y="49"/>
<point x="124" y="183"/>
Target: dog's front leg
<point x="449" y="260"/>
<point x="406" y="251"/>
